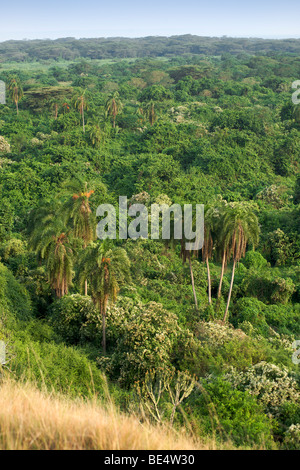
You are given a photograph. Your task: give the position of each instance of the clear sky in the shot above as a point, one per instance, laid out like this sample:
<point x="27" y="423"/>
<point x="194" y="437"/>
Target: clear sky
<point x="20" y="19"/>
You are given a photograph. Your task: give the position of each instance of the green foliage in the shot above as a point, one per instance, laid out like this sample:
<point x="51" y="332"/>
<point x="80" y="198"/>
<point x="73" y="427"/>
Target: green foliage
<point x="14" y="298"/>
<point x="55" y="366"/>
<point x="179" y="128"/>
<point x="143" y="337"/>
<point x="254" y="260"/>
<point x="69" y="316"/>
<point x="217" y="347"/>
<point x="217" y="407"/>
<point x="273" y="386"/>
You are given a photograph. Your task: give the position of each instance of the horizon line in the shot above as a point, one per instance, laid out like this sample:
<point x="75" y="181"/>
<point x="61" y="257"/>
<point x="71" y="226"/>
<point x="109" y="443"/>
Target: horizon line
<point x="77" y="38"/>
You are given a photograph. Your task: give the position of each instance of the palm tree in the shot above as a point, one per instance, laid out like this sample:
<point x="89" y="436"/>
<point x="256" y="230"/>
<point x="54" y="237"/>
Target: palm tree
<point x="187" y="255"/>
<point x="240" y="227"/>
<point x="81" y="105"/>
<point x="49" y="238"/>
<point x="222" y="248"/>
<point x="149" y="111"/>
<point x="208" y="244"/>
<point x="107" y="268"/>
<point x="77" y="210"/>
<point x="15" y="91"/>
<point x="184" y="255"/>
<point x="54" y="106"/>
<point x="296" y="113"/>
<point x="96" y="135"/>
<point x="114" y="106"/>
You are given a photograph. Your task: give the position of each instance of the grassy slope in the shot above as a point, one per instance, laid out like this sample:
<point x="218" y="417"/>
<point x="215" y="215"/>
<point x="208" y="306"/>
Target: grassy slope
<point x="33" y="420"/>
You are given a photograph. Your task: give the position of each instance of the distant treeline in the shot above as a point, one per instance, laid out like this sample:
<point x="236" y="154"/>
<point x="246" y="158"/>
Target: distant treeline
<point x="152" y="46"/>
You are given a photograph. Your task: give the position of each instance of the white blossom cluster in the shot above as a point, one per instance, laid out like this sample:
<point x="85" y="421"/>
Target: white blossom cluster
<point x="217" y="334"/>
<point x="4" y="145"/>
<point x="271" y="384"/>
<point x="292" y="436"/>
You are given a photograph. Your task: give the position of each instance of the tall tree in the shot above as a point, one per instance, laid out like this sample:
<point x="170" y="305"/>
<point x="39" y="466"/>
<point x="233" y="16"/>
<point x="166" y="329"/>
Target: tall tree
<point x="77" y="210"/>
<point x="208" y="244"/>
<point x="188" y="255"/>
<point x="55" y="104"/>
<point x="114" y="106"/>
<point x="222" y="246"/>
<point x="107" y="268"/>
<point x="240" y="227"/>
<point x="96" y="135"/>
<point x="149" y="112"/>
<point x="51" y="241"/>
<point x="15" y="91"/>
<point x="81" y="105"/>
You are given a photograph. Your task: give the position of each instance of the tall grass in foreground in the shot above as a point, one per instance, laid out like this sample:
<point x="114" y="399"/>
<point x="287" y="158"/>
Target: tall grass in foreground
<point x="31" y="419"/>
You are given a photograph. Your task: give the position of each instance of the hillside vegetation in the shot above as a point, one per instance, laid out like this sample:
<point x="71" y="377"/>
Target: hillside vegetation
<point x="200" y="343"/>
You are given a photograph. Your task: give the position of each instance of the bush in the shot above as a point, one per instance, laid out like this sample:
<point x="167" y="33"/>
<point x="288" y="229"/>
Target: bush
<point x="218" y="407"/>
<point x="14" y="298"/>
<point x="254" y="260"/>
<point x="219" y="346"/>
<point x="292" y="437"/>
<point x="143" y="338"/>
<point x="268" y="290"/>
<point x="273" y="386"/>
<point x="55" y="366"/>
<point x="250" y="310"/>
<point x="71" y="316"/>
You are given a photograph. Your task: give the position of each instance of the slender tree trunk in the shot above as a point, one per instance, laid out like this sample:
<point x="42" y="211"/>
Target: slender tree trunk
<point x="83" y="125"/>
<point x="222" y="274"/>
<point x="193" y="283"/>
<point x="208" y="280"/>
<point x="17" y="106"/>
<point x="230" y="291"/>
<point x="103" y="330"/>
<point x="85" y="282"/>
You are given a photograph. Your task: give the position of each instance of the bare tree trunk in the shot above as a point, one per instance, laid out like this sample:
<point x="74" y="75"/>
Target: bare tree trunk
<point x="230" y="291"/>
<point x="83" y="125"/>
<point x="17" y="106"/>
<point x="208" y="280"/>
<point x="222" y="274"/>
<point x="193" y="282"/>
<point x="103" y="330"/>
<point x="85" y="282"/>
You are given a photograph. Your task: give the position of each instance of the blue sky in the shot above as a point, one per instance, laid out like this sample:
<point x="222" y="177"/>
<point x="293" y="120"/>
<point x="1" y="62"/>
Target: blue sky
<point x="30" y="19"/>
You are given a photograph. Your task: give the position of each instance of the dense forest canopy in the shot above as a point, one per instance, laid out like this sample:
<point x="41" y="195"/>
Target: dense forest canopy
<point x="182" y="120"/>
<point x="152" y="46"/>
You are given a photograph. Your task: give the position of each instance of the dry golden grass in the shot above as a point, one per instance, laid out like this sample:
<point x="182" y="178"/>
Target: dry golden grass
<point x="31" y="419"/>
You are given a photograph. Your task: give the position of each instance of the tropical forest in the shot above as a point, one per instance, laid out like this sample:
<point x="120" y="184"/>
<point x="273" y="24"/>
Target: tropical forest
<point x="166" y="347"/>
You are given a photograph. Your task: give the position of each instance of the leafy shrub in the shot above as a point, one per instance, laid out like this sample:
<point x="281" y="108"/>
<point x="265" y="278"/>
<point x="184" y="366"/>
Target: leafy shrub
<point x="250" y="310"/>
<point x="143" y="337"/>
<point x="71" y="316"/>
<point x="273" y="386"/>
<point x="292" y="437"/>
<point x="279" y="247"/>
<point x="283" y="290"/>
<point x="266" y="289"/>
<point x="218" y="347"/>
<point x="55" y="366"/>
<point x="254" y="260"/>
<point x="285" y="318"/>
<point x="217" y="407"/>
<point x="4" y="145"/>
<point x="14" y="298"/>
